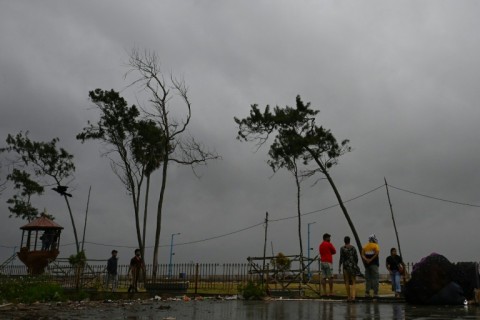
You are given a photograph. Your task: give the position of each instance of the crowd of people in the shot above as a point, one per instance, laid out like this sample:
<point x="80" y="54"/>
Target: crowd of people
<point x="348" y="265"/>
<point x="434" y="280"/>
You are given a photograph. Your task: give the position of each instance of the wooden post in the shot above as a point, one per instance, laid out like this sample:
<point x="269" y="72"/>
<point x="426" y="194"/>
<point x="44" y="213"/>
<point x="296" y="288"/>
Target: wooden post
<point x="86" y="215"/>
<point x="267" y="290"/>
<point x="393" y="218"/>
<point x="265" y="247"/>
<point x="395" y="227"/>
<point x="196" y="279"/>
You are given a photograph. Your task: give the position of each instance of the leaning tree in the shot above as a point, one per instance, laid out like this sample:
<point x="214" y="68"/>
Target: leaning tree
<point x="297" y="136"/>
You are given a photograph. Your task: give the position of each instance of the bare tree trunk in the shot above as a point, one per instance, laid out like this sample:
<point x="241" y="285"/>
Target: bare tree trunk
<point x="339" y="199"/>
<point x="159" y="218"/>
<point x="147" y="191"/>
<point x="137" y="218"/>
<point x="299" y="212"/>
<point x="344" y="210"/>
<point x="73" y="224"/>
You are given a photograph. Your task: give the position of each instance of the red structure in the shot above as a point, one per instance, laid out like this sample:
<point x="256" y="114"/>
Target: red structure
<point x="40" y="243"/>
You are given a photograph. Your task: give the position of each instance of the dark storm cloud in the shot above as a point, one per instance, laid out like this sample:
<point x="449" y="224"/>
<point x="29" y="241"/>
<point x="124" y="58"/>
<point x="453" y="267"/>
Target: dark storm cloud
<point x="400" y="80"/>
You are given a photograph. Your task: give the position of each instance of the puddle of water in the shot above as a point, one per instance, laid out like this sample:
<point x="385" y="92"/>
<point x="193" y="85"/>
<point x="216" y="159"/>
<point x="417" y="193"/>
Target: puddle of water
<point x="253" y="310"/>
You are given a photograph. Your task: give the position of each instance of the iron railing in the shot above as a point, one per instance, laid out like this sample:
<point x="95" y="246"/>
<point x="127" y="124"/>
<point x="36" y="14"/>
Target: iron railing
<point x="224" y="277"/>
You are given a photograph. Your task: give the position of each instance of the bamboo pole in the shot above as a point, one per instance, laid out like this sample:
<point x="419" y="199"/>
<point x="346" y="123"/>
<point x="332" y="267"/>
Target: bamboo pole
<point x="393" y="218"/>
<point x="86" y="215"/>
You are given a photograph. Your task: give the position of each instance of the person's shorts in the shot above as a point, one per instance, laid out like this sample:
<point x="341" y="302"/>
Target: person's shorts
<point x="327" y="269"/>
<point x="349" y="277"/>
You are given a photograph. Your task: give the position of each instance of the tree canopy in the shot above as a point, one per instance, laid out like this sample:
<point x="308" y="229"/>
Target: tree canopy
<point x="134" y="146"/>
<point x="296" y="136"/>
<point x="37" y="164"/>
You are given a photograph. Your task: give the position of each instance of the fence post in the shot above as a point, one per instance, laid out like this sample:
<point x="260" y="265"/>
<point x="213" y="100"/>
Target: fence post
<point x="267" y="278"/>
<point x="196" y="279"/>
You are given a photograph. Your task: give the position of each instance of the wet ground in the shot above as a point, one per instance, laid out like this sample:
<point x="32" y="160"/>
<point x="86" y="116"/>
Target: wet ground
<point x="235" y="310"/>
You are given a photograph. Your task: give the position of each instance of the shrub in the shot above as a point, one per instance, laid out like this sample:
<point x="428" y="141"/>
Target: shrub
<point x="29" y="289"/>
<point x="252" y="290"/>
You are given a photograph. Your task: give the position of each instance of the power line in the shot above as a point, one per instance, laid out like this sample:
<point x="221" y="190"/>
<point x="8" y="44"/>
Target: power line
<point x="435" y="198"/>
<point x="236" y="231"/>
<point x="250" y="227"/>
<point x="329" y="207"/>
<point x="279" y="219"/>
<point x="220" y="236"/>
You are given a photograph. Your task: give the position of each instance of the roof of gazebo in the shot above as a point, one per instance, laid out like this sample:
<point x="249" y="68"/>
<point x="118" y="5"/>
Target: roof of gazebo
<point x="41" y="223"/>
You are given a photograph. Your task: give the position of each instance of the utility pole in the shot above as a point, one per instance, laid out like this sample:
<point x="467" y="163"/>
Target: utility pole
<point x="265" y="246"/>
<point x="171" y="254"/>
<point x="86" y="215"/>
<point x="393" y="218"/>
<point x="309" y="248"/>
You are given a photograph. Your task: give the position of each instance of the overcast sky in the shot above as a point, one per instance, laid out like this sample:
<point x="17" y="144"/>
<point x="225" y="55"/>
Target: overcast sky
<point x="399" y="79"/>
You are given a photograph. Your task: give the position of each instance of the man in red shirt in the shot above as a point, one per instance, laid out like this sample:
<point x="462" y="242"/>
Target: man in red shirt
<point x="327" y="250"/>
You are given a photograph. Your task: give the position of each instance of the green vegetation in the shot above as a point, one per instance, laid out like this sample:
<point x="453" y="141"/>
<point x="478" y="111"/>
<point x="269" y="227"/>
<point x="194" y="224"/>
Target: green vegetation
<point x="29" y="290"/>
<point x="37" y="164"/>
<point x="252" y="290"/>
<point x="78" y="259"/>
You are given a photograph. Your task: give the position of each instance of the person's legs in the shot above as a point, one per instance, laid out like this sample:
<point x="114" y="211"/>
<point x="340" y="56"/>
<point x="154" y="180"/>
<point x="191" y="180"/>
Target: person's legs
<point x="346" y="280"/>
<point x="107" y="280"/>
<point x="375" y="279"/>
<point x="326" y="275"/>
<point x="398" y="286"/>
<point x="134" y="280"/>
<point x="137" y="277"/>
<point x="114" y="282"/>
<point x="368" y="281"/>
<point x="327" y="267"/>
<point x="330" y="283"/>
<point x="352" y="288"/>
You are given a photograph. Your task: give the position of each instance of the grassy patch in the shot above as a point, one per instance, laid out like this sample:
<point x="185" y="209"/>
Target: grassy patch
<point x="29" y="289"/>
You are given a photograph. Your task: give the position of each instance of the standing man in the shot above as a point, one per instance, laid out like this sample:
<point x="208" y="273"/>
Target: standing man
<point x="327" y="250"/>
<point x="112" y="271"/>
<point x="395" y="267"/>
<point x="137" y="266"/>
<point x="370" y="254"/>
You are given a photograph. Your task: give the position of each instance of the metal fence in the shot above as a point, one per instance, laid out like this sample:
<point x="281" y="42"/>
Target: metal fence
<point x="201" y="276"/>
<point x="224" y="277"/>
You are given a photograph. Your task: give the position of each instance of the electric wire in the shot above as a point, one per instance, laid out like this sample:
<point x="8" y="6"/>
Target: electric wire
<point x="279" y="219"/>
<point x="435" y="198"/>
<point x="243" y="229"/>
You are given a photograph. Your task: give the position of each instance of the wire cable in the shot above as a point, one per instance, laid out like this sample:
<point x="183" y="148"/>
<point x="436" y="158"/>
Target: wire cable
<point x="435" y="198"/>
<point x="330" y="207"/>
<point x="246" y="228"/>
<point x="278" y="219"/>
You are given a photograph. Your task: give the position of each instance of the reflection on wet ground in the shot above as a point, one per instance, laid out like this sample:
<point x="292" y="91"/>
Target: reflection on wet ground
<point x="241" y="310"/>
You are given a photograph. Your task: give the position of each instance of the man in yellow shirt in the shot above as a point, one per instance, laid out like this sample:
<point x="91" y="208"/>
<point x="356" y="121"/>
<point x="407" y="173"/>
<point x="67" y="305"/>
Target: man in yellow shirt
<point x="370" y="258"/>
